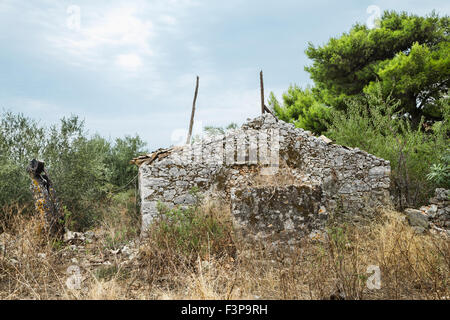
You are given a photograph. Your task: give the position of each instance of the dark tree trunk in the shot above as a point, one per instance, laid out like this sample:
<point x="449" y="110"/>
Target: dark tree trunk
<point x="45" y="199"/>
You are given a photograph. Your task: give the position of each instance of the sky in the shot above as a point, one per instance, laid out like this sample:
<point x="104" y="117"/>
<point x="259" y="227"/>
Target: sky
<point x="129" y="67"/>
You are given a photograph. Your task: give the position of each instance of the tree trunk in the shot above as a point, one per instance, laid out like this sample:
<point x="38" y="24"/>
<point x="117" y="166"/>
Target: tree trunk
<point x="46" y="202"/>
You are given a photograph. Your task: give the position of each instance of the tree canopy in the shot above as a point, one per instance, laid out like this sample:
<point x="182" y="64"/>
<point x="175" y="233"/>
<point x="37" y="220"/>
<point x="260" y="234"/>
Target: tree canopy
<point x="301" y="107"/>
<point x="407" y="54"/>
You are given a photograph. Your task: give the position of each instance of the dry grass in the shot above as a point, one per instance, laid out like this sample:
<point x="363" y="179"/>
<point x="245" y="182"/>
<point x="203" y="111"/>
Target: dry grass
<point x="29" y="267"/>
<point x="412" y="266"/>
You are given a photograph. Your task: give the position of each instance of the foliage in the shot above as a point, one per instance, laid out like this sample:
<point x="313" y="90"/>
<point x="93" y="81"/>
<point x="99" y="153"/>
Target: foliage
<point x="76" y="165"/>
<point x="20" y="139"/>
<point x="440" y="172"/>
<point x="83" y="169"/>
<point x="418" y="78"/>
<point x="14" y="183"/>
<point x="302" y="108"/>
<point x="408" y="54"/>
<point x="213" y="131"/>
<point x="119" y="157"/>
<point x="120" y="219"/>
<point x="372" y="123"/>
<point x="191" y="231"/>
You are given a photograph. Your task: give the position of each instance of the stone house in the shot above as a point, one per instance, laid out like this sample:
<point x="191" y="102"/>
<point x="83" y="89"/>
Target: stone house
<point x="278" y="180"/>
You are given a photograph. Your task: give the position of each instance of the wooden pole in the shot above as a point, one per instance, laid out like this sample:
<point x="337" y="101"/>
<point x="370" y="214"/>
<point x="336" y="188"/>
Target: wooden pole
<point x="262" y="91"/>
<point x="191" y="123"/>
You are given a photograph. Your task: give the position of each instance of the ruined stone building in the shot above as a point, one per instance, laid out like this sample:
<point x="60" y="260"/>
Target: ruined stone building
<point x="278" y="180"/>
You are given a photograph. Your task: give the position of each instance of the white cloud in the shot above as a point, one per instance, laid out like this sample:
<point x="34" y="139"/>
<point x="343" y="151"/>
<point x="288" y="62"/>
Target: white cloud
<point x="168" y="20"/>
<point x="130" y="62"/>
<point x="103" y="34"/>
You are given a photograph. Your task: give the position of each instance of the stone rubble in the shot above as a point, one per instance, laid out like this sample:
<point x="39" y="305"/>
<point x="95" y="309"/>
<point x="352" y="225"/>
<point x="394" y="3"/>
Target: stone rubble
<point x="436" y="215"/>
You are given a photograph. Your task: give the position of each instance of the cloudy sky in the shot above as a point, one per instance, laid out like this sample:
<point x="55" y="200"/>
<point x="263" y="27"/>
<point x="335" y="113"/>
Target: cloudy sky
<point x="129" y="67"/>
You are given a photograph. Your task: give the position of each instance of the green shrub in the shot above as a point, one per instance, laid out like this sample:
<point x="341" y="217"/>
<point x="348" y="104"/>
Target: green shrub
<point x="191" y="231"/>
<point x="372" y="124"/>
<point x="302" y="108"/>
<point x="118" y="160"/>
<point x="83" y="169"/>
<point x="14" y="183"/>
<point x="77" y="166"/>
<point x="121" y="218"/>
<point x="440" y="172"/>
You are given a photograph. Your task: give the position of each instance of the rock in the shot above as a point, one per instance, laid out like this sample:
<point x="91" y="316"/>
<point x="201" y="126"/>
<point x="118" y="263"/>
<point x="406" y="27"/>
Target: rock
<point x="417" y="219"/>
<point x="325" y="139"/>
<point x="126" y="251"/>
<point x="42" y="256"/>
<point x="318" y="235"/>
<point x="89" y="235"/>
<point x="323" y="211"/>
<point x="173" y="172"/>
<point x="114" y="252"/>
<point x="419" y="230"/>
<point x="430" y="210"/>
<point x="184" y="199"/>
<point x="169" y="194"/>
<point x="441" y="197"/>
<point x="379" y="171"/>
<point x="71" y="236"/>
<point x="442" y="194"/>
<point x="439" y="208"/>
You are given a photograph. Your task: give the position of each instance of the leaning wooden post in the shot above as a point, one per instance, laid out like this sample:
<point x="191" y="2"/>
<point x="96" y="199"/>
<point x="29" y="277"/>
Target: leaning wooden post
<point x="262" y="91"/>
<point x="45" y="200"/>
<point x="191" y="123"/>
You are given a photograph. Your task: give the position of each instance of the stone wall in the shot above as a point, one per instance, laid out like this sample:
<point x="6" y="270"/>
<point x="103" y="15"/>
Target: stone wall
<point x="436" y="215"/>
<point x="277" y="179"/>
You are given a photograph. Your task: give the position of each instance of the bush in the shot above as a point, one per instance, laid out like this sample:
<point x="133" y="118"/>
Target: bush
<point x="120" y="220"/>
<point x="193" y="231"/>
<point x="83" y="169"/>
<point x="372" y="124"/>
<point x="14" y="183"/>
<point x="302" y="108"/>
<point x="77" y="166"/>
<point x="119" y="157"/>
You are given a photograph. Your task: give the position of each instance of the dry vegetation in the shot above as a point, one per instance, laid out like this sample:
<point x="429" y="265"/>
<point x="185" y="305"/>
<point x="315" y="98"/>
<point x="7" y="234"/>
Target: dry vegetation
<point x="210" y="262"/>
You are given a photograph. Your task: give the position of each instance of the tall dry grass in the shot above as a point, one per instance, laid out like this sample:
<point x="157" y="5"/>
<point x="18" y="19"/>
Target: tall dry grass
<point x="224" y="266"/>
<point x="29" y="259"/>
<point x="412" y="266"/>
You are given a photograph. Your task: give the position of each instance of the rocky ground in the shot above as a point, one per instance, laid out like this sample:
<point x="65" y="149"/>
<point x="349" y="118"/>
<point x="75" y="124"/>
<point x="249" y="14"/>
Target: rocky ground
<point x="435" y="216"/>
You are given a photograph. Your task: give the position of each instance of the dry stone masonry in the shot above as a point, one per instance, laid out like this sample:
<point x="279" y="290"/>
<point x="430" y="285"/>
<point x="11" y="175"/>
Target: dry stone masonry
<point x="436" y="214"/>
<point x="278" y="180"/>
